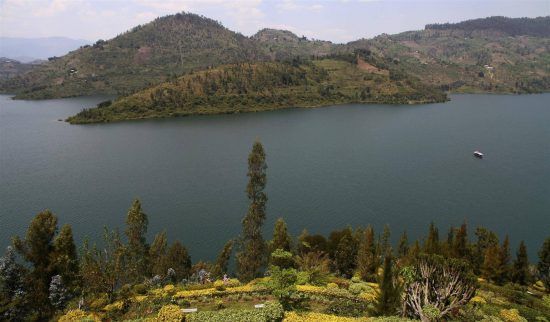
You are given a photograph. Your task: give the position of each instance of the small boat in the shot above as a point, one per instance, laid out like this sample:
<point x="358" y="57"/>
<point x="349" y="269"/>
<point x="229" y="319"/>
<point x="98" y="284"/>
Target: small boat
<point x="478" y="154"/>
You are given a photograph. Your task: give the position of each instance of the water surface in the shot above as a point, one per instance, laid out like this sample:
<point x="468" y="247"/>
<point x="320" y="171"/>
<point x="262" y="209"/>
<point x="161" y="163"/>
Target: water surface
<point x="328" y="168"/>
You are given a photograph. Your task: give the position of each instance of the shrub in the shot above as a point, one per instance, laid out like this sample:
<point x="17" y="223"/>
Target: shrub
<point x="346" y="307"/>
<point x="220" y="305"/>
<point x="431" y="312"/>
<point x="319" y="317"/>
<point x="272" y="311"/>
<point x="79" y="315"/>
<point x="171" y="313"/>
<point x="546" y="301"/>
<point x="332" y="285"/>
<point x="358" y="288"/>
<point x="511" y="315"/>
<point x="140" y="289"/>
<point x="219" y="285"/>
<point x="114" y="307"/>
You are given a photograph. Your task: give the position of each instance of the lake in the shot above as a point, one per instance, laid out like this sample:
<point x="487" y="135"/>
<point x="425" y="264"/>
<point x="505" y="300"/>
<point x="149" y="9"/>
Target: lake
<point x="328" y="168"/>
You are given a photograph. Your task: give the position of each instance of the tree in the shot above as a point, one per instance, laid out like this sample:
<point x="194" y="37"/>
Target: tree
<point x="344" y="256"/>
<point x="460" y="245"/>
<point x="367" y="256"/>
<point x="385" y="241"/>
<point x="222" y="261"/>
<point x="38" y="249"/>
<point x="492" y="263"/>
<point x="520" y="269"/>
<point x="505" y="260"/>
<point x="390" y="292"/>
<point x="179" y="260"/>
<point x="137" y="250"/>
<point x="431" y="246"/>
<point x="543" y="265"/>
<point x="103" y="270"/>
<point x="403" y="249"/>
<point x="281" y="238"/>
<point x="157" y="254"/>
<point x="58" y="293"/>
<point x="12" y="287"/>
<point x="66" y="258"/>
<point x="438" y="287"/>
<point x="251" y="257"/>
<point x="485" y="239"/>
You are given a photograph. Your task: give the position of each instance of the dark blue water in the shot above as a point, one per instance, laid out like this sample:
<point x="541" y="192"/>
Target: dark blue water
<point x="328" y="168"/>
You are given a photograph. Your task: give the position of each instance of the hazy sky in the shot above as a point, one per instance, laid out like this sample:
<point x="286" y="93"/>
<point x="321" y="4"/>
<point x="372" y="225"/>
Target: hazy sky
<point x="335" y="20"/>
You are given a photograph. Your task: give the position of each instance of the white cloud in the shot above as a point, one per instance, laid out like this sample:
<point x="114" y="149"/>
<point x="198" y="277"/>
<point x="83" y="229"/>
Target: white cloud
<point x="292" y="5"/>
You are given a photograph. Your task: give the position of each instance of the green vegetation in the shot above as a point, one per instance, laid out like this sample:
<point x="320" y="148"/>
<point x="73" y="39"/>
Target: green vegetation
<point x="310" y="278"/>
<point x="265" y="86"/>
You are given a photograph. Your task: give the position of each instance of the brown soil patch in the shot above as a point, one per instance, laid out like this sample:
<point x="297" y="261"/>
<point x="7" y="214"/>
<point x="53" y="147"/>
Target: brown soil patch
<point x="363" y="65"/>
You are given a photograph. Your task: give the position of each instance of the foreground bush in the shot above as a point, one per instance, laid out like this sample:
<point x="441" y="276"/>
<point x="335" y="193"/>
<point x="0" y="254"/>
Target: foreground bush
<point x="79" y="315"/>
<point x="170" y="313"/>
<point x="272" y="312"/>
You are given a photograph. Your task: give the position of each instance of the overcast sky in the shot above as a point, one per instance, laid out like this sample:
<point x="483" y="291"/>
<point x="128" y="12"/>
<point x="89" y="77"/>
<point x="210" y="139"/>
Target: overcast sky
<point x="335" y="20"/>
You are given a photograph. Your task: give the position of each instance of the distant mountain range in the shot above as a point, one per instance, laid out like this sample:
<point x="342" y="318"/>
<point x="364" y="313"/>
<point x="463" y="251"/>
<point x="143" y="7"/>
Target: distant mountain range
<point x="494" y="54"/>
<point x="26" y="50"/>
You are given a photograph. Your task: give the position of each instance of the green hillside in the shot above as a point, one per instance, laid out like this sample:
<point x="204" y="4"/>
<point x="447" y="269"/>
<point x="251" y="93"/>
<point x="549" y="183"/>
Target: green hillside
<point x="266" y="86"/>
<point x="143" y="56"/>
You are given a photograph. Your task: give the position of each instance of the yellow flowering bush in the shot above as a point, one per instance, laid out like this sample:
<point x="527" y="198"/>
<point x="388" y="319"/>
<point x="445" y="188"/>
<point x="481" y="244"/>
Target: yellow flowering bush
<point x="79" y="315"/>
<point x="318" y="317"/>
<point x="116" y="306"/>
<point x="248" y="288"/>
<point x="170" y="313"/>
<point x="478" y="299"/>
<point x="139" y="298"/>
<point x="169" y="288"/>
<point x="511" y="315"/>
<point x="368" y="296"/>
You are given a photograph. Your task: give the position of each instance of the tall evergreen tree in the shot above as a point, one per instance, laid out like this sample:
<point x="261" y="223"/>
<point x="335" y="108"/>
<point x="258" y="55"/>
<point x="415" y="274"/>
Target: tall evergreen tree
<point x="390" y="293"/>
<point x="505" y="261"/>
<point x="38" y="249"/>
<point x="385" y="244"/>
<point x="543" y="265"/>
<point x="520" y="270"/>
<point x="403" y="249"/>
<point x="137" y="249"/>
<point x="222" y="262"/>
<point x="431" y="245"/>
<point x="485" y="239"/>
<point x="450" y="242"/>
<point x="345" y="254"/>
<point x="252" y="256"/>
<point x="367" y="257"/>
<point x="460" y="246"/>
<point x="492" y="263"/>
<point x="157" y="254"/>
<point x="179" y="260"/>
<point x="66" y="258"/>
<point x="281" y="238"/>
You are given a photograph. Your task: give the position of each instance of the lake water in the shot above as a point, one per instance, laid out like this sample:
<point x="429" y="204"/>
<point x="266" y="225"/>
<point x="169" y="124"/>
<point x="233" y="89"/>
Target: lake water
<point x="328" y="168"/>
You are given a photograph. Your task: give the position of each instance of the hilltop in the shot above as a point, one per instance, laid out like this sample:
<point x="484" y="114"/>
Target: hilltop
<point x="495" y="54"/>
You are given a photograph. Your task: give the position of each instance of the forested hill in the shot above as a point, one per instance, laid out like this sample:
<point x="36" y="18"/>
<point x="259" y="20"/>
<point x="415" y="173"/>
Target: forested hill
<point x="496" y="54"/>
<point x="143" y="56"/>
<point x="538" y="27"/>
<point x="267" y="86"/>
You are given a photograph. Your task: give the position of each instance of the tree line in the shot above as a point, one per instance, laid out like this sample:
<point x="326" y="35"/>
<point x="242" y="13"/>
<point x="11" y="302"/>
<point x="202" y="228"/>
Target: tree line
<point x="42" y="271"/>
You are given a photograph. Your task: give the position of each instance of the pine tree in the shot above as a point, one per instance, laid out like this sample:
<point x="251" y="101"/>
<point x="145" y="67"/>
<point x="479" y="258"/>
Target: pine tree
<point x="251" y="257"/>
<point x="66" y="258"/>
<point x="385" y="241"/>
<point x="485" y="239"/>
<point x="367" y="259"/>
<point x="222" y="262"/>
<point x="157" y="254"/>
<point x="450" y="242"/>
<point x="281" y="238"/>
<point x="345" y="254"/>
<point x="543" y="265"/>
<point x="137" y="249"/>
<point x="505" y="260"/>
<point x="460" y="246"/>
<point x="520" y="270"/>
<point x="403" y="249"/>
<point x="491" y="263"/>
<point x="179" y="260"/>
<point x="390" y="293"/>
<point x="431" y="245"/>
<point x="38" y="248"/>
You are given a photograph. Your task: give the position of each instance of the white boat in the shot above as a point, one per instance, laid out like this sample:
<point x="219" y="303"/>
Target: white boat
<point x="478" y="154"/>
